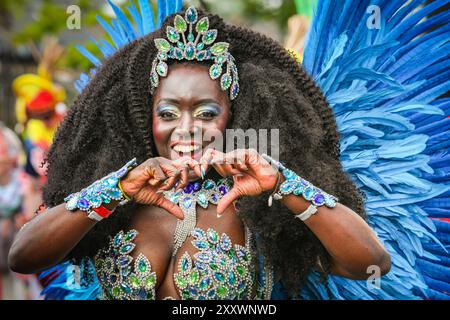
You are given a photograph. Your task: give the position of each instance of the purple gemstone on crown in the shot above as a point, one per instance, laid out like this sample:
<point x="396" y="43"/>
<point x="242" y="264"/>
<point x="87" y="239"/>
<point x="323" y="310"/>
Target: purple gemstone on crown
<point x="319" y="199"/>
<point x="197" y="186"/>
<point x="214" y="197"/>
<point x="223" y="189"/>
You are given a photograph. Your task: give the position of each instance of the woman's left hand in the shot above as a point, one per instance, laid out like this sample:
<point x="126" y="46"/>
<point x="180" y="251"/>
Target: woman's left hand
<point x="251" y="173"/>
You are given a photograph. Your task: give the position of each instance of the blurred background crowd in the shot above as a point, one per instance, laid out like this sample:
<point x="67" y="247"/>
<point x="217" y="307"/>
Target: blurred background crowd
<point x="39" y="62"/>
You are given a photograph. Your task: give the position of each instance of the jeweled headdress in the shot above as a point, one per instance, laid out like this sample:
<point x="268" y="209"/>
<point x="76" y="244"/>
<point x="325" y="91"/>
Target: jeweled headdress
<point x="200" y="47"/>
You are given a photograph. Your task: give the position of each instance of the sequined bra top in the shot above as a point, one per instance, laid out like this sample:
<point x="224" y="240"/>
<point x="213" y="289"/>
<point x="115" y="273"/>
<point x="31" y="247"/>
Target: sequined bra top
<point x="218" y="271"/>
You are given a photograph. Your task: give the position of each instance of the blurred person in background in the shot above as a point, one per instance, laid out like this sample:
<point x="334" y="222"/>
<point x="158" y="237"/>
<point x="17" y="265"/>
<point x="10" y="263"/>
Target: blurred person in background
<point x="12" y="182"/>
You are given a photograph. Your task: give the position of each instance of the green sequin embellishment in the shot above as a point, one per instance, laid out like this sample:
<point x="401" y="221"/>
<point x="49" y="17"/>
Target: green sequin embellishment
<point x="216" y="272"/>
<point x="119" y="278"/>
<point x="183" y="44"/>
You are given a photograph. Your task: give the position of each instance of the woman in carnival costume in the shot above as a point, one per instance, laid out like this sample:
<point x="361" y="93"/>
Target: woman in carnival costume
<point x="236" y="225"/>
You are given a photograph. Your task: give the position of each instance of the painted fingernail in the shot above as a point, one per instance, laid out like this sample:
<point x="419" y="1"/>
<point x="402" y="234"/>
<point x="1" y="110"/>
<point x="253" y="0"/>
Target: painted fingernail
<point x="202" y="171"/>
<point x="159" y="191"/>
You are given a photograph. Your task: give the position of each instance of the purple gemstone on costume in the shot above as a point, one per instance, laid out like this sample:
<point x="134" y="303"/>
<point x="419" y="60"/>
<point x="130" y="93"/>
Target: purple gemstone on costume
<point x="319" y="199"/>
<point x="237" y="205"/>
<point x="223" y="190"/>
<point x="187" y="202"/>
<point x="189" y="188"/>
<point x="83" y="204"/>
<point x="214" y="198"/>
<point x="197" y="186"/>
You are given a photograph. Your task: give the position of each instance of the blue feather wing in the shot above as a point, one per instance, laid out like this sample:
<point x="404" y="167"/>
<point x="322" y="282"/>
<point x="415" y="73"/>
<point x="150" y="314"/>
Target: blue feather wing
<point x="385" y="87"/>
<point x="123" y="30"/>
<point x="67" y="281"/>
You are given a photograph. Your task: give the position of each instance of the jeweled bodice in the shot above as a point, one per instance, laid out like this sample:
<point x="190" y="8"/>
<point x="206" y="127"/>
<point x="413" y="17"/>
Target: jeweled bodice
<point x="219" y="270"/>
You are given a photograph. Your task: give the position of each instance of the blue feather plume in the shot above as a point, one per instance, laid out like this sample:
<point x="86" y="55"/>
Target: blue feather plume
<point x="385" y="87"/>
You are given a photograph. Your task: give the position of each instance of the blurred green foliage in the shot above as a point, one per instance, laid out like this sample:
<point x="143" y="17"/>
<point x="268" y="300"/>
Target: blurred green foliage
<point x="48" y="17"/>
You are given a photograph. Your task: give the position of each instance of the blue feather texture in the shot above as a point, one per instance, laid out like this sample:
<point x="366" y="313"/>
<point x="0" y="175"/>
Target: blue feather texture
<point x="385" y="87"/>
<point x="123" y="30"/>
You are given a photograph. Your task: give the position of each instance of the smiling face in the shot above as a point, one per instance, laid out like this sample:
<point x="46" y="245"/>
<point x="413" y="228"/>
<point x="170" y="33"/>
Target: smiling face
<point x="187" y="106"/>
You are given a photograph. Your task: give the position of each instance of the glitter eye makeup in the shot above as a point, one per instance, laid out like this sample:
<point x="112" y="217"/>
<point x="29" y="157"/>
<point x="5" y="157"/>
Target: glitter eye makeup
<point x="168" y="112"/>
<point x="207" y="112"/>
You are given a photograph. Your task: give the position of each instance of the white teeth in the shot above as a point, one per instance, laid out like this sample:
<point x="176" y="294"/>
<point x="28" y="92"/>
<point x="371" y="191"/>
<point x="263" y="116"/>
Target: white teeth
<point x="180" y="148"/>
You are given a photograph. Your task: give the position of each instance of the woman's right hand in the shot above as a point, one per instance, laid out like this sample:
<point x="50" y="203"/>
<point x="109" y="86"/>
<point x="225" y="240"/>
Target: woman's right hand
<point x="158" y="174"/>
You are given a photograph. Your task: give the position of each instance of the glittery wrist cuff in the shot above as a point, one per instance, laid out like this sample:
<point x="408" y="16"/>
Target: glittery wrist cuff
<point x="300" y="187"/>
<point x="100" y="192"/>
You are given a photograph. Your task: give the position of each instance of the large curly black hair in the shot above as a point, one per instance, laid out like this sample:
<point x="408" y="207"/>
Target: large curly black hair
<point x="110" y="123"/>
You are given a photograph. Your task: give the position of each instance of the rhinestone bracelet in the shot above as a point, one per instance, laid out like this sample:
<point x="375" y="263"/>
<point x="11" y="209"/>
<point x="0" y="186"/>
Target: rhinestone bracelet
<point x="300" y="187"/>
<point x="100" y="192"/>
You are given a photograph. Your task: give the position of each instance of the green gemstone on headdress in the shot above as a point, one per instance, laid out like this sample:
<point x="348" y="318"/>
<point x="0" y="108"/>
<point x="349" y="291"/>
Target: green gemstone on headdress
<point x="179" y="54"/>
<point x="220" y="59"/>
<point x="172" y="35"/>
<point x="162" y="45"/>
<point x="225" y="82"/>
<point x="215" y="71"/>
<point x="180" y="24"/>
<point x="180" y="45"/>
<point x="201" y="55"/>
<point x="190" y="51"/>
<point x="162" y="56"/>
<point x="191" y="15"/>
<point x="209" y="37"/>
<point x="162" y="68"/>
<point x="219" y="48"/>
<point x="203" y="25"/>
<point x="200" y="46"/>
<point x="190" y="37"/>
